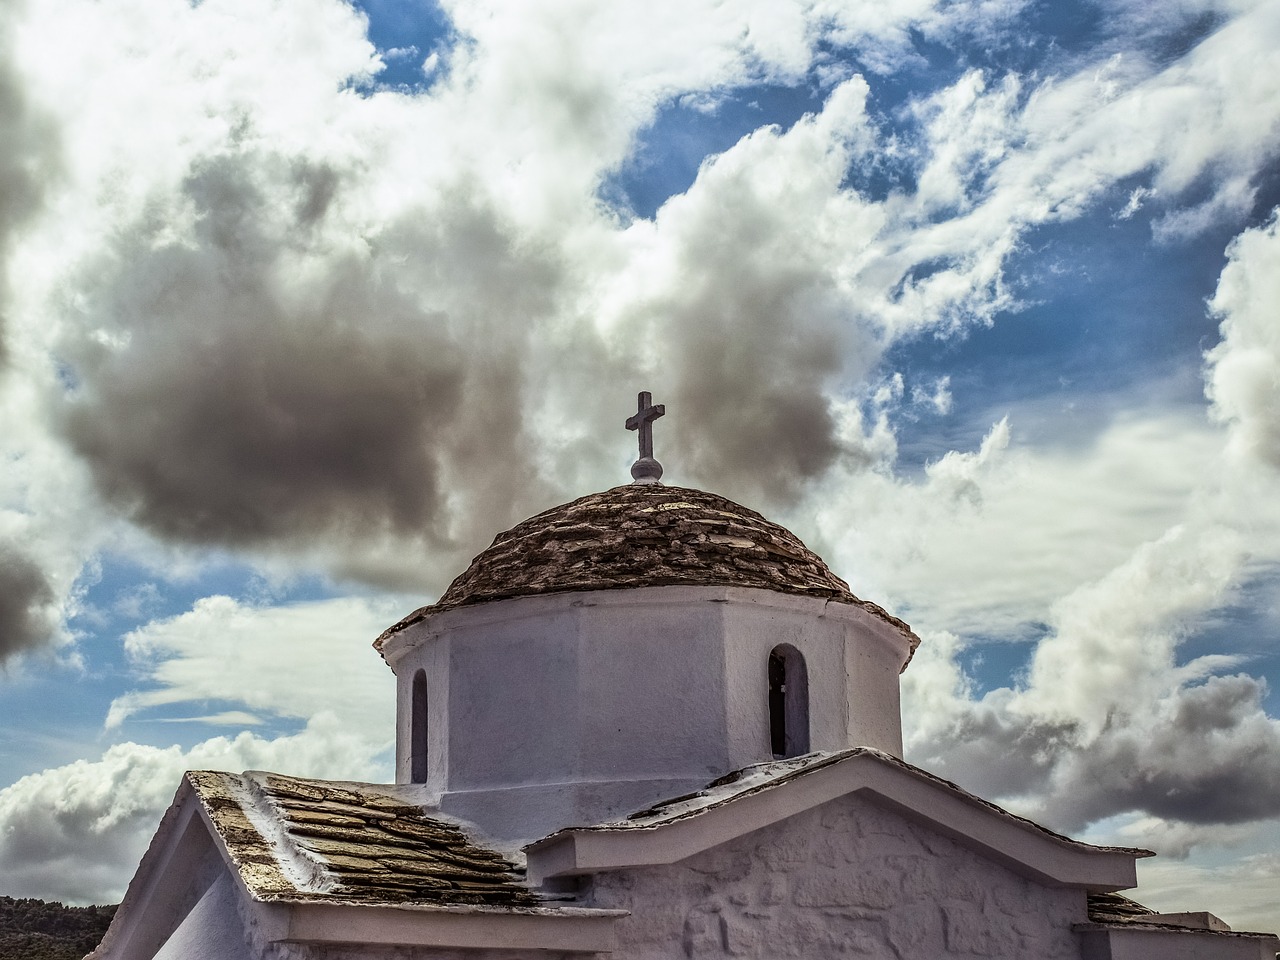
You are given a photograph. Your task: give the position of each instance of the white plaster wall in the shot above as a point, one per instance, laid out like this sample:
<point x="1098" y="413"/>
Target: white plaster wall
<point x="1145" y="944"/>
<point x="151" y="920"/>
<point x="299" y="951"/>
<point x="436" y="953"/>
<point x="433" y="658"/>
<point x="853" y="657"/>
<point x="579" y="707"/>
<point x="846" y="878"/>
<point x="212" y="930"/>
<point x="875" y="652"/>
<point x="756" y="622"/>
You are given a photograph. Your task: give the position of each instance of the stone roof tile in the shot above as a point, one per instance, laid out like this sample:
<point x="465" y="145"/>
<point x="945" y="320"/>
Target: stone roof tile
<point x="644" y="535"/>
<point x="293" y="838"/>
<point x="772" y="774"/>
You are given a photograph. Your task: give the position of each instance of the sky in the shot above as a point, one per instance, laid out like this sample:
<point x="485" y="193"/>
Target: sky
<point x="301" y="302"/>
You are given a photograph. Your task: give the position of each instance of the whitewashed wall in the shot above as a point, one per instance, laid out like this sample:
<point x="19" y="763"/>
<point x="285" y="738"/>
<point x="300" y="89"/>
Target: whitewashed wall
<point x="846" y="878"/>
<point x="573" y="708"/>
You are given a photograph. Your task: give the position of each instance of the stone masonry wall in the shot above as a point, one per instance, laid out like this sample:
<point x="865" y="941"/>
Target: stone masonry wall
<point x="849" y="878"/>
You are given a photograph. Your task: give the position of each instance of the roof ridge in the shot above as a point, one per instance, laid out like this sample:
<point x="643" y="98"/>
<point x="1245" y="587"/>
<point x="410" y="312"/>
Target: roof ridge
<point x="768" y="774"/>
<point x="307" y="872"/>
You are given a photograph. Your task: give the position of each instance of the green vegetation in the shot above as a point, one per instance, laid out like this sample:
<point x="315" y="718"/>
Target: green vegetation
<point x="35" y="930"/>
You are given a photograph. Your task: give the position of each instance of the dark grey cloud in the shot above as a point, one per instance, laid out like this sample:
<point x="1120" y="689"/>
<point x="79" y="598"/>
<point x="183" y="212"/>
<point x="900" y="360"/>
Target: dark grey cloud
<point x="756" y="420"/>
<point x="751" y="343"/>
<point x="997" y="756"/>
<point x="27" y="157"/>
<point x="1208" y="756"/>
<point x="230" y="402"/>
<point x="25" y="596"/>
<point x="1215" y="759"/>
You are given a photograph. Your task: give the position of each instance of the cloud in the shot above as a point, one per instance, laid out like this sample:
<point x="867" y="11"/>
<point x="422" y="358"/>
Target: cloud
<point x="298" y="660"/>
<point x="884" y="36"/>
<point x="366" y="332"/>
<point x="1243" y="369"/>
<point x="27" y="162"/>
<point x="1207" y="755"/>
<point x="282" y="425"/>
<point x="986" y="541"/>
<point x="247" y="384"/>
<point x="1108" y="719"/>
<point x="735" y="286"/>
<point x="28" y="611"/>
<point x="75" y="833"/>
<point x="1242" y="892"/>
<point x="48" y="530"/>
<point x="362" y="333"/>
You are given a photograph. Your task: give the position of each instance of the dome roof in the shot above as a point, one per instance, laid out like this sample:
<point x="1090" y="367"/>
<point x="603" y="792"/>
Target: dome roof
<point x="643" y="535"/>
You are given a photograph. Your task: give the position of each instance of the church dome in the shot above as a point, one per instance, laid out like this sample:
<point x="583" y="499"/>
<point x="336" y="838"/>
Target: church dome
<point x="643" y="535"/>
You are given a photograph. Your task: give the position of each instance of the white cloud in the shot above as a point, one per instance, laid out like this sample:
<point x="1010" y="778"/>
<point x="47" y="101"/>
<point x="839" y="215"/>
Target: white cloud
<point x="75" y="833"/>
<point x="1230" y="203"/>
<point x="939" y="399"/>
<point x="985" y="542"/>
<point x="253" y="254"/>
<point x="1244" y="368"/>
<point x="1241" y="891"/>
<point x="1117" y="549"/>
<point x="360" y="334"/>
<point x="300" y="660"/>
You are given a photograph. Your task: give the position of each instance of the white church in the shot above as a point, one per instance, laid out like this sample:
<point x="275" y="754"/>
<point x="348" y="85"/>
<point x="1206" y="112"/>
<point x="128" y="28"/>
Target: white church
<point x="648" y="724"/>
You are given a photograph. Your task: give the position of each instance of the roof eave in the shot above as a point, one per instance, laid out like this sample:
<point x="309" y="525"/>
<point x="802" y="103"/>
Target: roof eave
<point x="1024" y="847"/>
<point x="564" y="930"/>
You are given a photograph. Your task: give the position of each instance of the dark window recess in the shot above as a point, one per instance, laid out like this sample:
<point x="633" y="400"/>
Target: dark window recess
<point x="788" y="702"/>
<point x="777" y="704"/>
<point x="418" y="729"/>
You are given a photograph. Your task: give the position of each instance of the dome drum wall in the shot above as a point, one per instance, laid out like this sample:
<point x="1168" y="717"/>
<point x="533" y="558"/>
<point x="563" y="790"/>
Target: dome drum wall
<point x="575" y="707"/>
<point x="853" y="660"/>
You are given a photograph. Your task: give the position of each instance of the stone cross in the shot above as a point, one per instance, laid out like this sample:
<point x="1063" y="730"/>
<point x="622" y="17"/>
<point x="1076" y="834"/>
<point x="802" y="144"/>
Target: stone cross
<point x="646" y="469"/>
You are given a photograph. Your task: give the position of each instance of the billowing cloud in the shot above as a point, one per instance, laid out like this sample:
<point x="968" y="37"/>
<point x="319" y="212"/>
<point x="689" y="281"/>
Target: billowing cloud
<point x="986" y="541"/>
<point x="75" y="833"/>
<point x="232" y="406"/>
<point x="735" y="286"/>
<point x="28" y="613"/>
<point x="1109" y="718"/>
<point x="1206" y="755"/>
<point x="297" y="661"/>
<point x="345" y="347"/>
<point x="27" y="161"/>
<point x="327" y="327"/>
<point x="1244" y="368"/>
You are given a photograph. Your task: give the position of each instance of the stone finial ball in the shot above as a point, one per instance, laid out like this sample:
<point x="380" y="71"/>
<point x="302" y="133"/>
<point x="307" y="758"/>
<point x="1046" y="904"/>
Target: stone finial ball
<point x="646" y="470"/>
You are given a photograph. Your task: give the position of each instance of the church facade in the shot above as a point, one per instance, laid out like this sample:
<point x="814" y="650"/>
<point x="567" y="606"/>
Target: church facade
<point x="645" y="724"/>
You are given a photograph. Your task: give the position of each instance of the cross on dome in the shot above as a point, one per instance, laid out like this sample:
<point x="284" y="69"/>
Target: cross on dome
<point x="646" y="469"/>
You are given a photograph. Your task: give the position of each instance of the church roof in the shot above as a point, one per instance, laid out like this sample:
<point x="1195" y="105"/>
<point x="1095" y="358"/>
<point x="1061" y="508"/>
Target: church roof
<point x="324" y="841"/>
<point x="644" y="535"/>
<point x="772" y="774"/>
<point x="769" y="792"/>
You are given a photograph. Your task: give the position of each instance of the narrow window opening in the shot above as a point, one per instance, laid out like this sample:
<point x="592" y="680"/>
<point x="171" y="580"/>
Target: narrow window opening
<point x="418" y="729"/>
<point x="777" y="704"/>
<point x="788" y="702"/>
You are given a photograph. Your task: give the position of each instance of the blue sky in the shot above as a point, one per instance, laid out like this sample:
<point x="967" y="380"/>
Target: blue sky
<point x="303" y="302"/>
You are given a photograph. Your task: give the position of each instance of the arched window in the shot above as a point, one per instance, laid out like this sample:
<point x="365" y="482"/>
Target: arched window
<point x="418" y="729"/>
<point x="788" y="702"/>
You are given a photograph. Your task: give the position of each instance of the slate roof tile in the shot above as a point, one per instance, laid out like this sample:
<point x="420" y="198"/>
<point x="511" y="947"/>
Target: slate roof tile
<point x="298" y="839"/>
<point x="642" y="535"/>
<point x="771" y="774"/>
